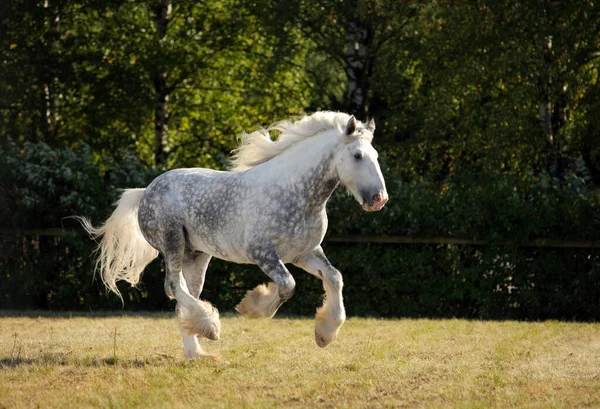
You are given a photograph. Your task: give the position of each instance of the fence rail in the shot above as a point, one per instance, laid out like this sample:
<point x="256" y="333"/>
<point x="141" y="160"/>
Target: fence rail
<point x="540" y="242"/>
<point x="52" y="231"/>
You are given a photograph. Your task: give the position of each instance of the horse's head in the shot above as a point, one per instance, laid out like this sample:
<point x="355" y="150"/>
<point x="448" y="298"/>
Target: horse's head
<point x="357" y="167"/>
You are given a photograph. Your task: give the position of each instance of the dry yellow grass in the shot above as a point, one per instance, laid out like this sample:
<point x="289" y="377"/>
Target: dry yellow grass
<point x="59" y="362"/>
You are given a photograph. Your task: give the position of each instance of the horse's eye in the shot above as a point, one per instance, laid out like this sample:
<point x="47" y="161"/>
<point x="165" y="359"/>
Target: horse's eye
<point x="358" y="156"/>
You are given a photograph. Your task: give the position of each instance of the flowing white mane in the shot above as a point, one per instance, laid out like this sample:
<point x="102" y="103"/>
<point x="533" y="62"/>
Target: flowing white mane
<point x="258" y="147"/>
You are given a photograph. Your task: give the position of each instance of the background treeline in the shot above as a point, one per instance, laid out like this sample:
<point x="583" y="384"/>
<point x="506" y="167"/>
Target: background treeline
<point x="488" y="128"/>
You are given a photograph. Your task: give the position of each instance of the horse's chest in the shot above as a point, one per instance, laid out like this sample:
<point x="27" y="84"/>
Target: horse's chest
<point x="300" y="237"/>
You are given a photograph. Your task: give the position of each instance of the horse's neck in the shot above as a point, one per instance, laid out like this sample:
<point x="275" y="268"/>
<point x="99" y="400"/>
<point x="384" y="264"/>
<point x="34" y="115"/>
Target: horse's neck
<point x="307" y="165"/>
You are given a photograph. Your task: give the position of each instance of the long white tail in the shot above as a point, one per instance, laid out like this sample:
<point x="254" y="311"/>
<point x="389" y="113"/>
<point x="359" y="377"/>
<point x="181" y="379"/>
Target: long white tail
<point x="123" y="253"/>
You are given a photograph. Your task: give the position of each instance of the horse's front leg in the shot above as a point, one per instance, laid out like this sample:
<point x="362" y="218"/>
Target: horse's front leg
<point x="265" y="300"/>
<point x="332" y="314"/>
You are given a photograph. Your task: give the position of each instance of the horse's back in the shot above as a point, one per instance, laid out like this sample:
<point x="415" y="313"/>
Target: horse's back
<point x="205" y="204"/>
<point x="168" y="194"/>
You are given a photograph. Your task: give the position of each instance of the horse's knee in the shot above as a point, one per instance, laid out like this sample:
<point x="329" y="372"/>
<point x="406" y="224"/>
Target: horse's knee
<point x="286" y="288"/>
<point x="335" y="280"/>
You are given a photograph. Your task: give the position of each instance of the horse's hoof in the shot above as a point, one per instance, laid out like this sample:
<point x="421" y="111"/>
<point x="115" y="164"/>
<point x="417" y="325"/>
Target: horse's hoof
<point x="261" y="302"/>
<point x="247" y="312"/>
<point x="213" y="333"/>
<point x="326" y="331"/>
<point x="321" y="341"/>
<point x="202" y="355"/>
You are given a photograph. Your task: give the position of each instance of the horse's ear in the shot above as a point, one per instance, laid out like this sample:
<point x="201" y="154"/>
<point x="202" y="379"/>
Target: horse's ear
<point x="371" y="125"/>
<point x="351" y="127"/>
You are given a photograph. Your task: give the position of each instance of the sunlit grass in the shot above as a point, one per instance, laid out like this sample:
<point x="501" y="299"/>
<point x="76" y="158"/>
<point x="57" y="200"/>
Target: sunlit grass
<point x="62" y="361"/>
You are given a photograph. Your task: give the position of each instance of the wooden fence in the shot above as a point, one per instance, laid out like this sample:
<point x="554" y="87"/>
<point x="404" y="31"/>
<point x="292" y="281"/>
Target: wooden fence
<point x="398" y="240"/>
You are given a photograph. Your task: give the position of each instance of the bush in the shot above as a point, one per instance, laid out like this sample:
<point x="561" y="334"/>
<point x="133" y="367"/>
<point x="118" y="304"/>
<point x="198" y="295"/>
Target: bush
<point x="496" y="281"/>
<point x="380" y="280"/>
<point x="489" y="207"/>
<point x="44" y="185"/>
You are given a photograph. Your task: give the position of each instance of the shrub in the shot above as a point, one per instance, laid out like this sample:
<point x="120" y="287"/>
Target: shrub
<point x="496" y="281"/>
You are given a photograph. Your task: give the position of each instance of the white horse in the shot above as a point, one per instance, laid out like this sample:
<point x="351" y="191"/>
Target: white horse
<point x="269" y="211"/>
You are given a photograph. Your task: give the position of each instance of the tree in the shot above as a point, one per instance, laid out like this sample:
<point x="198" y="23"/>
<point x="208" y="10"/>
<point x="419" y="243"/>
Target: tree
<point x="481" y="86"/>
<point x="175" y="85"/>
<point x="348" y="36"/>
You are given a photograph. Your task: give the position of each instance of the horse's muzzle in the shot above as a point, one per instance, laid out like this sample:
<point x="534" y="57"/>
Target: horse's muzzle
<point x="377" y="202"/>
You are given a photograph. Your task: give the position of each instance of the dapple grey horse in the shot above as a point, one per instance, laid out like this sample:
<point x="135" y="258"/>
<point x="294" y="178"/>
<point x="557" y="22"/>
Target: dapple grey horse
<point x="269" y="211"/>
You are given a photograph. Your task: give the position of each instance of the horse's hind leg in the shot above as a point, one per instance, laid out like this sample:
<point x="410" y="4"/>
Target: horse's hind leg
<point x="194" y="272"/>
<point x="332" y="314"/>
<point x="196" y="317"/>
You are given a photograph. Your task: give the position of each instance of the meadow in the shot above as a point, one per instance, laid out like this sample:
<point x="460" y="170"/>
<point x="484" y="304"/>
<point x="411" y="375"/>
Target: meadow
<point x="136" y="360"/>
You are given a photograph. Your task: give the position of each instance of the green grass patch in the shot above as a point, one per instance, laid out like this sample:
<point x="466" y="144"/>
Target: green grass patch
<point x="56" y="361"/>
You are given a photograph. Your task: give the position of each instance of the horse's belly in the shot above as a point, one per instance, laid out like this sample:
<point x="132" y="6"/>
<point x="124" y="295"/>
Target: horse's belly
<point x="219" y="247"/>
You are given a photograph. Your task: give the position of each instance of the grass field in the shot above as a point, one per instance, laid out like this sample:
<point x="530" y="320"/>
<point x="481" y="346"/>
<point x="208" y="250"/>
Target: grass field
<point x="59" y="361"/>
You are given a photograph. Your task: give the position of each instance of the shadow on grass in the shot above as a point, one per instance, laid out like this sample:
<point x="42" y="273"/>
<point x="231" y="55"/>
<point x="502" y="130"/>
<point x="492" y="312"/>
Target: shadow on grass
<point x="121" y="314"/>
<point x="84" y="314"/>
<point x="14" y="362"/>
<point x="48" y="360"/>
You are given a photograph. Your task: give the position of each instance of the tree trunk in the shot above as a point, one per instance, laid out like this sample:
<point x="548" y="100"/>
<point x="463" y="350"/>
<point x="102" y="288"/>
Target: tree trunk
<point x="358" y="66"/>
<point x="552" y="113"/>
<point x="45" y="47"/>
<point x="544" y="87"/>
<point x="161" y="120"/>
<point x="162" y="11"/>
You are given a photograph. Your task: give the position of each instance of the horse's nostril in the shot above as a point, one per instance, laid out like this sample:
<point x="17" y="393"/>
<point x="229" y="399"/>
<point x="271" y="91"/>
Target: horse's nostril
<point x="377" y="198"/>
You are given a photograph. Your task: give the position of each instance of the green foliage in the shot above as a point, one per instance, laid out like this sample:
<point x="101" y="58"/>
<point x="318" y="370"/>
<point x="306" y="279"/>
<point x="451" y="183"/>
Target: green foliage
<point x="42" y="185"/>
<point x="458" y="90"/>
<point x="97" y="81"/>
<point x="488" y="207"/>
<point x="495" y="281"/>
